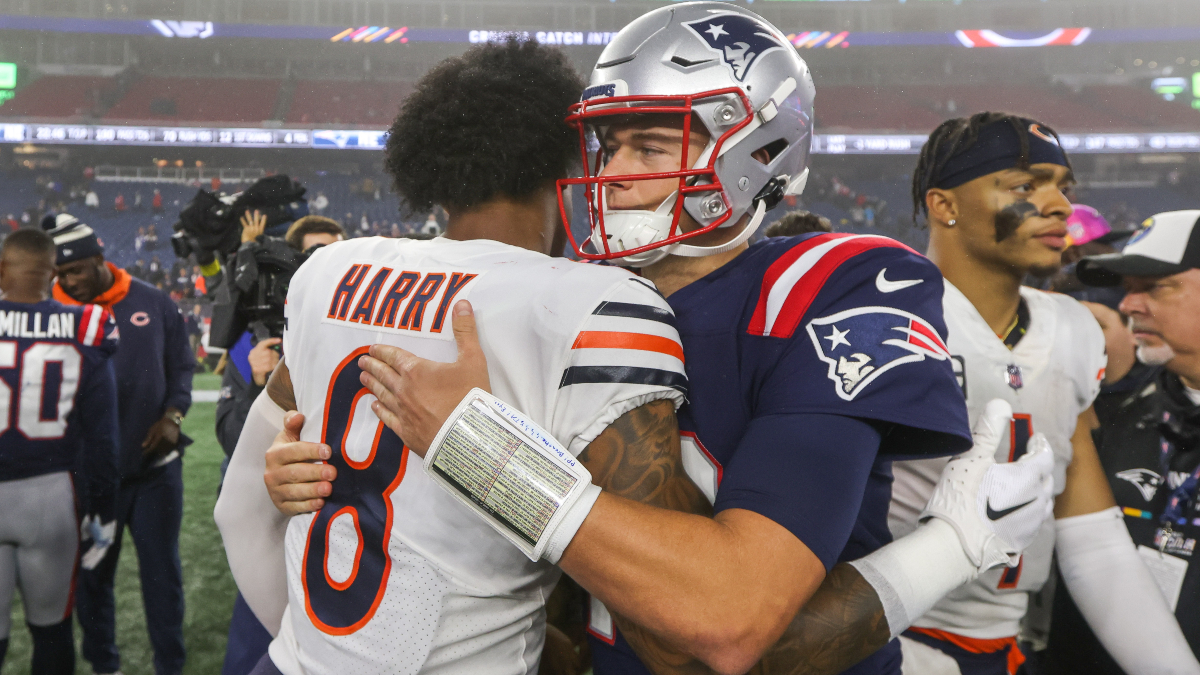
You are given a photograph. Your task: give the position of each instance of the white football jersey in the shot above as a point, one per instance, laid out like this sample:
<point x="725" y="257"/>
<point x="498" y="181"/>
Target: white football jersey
<point x="394" y="575"/>
<point x="1050" y="377"/>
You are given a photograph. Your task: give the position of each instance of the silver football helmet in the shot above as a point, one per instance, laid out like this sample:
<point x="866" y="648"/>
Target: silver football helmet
<point x="717" y="65"/>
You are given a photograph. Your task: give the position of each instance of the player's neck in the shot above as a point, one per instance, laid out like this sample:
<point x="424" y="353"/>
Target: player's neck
<point x="674" y="272"/>
<point x="995" y="292"/>
<point x="528" y="224"/>
<point x="24" y="297"/>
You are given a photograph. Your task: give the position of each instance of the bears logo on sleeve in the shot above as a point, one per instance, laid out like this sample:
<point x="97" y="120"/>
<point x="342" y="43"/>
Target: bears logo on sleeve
<point x="863" y="343"/>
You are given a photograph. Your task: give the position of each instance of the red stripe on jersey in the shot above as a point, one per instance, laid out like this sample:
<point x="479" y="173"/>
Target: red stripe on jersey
<point x="640" y="341"/>
<point x="810" y="284"/>
<point x="91" y="325"/>
<point x="758" y="322"/>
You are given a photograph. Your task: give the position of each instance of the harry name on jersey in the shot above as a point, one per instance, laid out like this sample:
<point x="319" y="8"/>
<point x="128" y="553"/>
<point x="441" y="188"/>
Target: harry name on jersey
<point x="16" y="324"/>
<point x="417" y="300"/>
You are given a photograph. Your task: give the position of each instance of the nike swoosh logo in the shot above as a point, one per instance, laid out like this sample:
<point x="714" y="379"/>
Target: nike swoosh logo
<point x="886" y="286"/>
<point x="997" y="515"/>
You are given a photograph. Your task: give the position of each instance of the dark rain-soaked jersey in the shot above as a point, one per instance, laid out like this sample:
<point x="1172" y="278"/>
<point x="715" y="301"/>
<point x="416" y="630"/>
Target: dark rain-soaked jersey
<point x="813" y="362"/>
<point x="58" y="393"/>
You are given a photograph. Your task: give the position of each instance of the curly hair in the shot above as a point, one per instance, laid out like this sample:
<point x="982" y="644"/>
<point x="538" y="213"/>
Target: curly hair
<point x="798" y="222"/>
<point x="487" y="123"/>
<point x="954" y="137"/>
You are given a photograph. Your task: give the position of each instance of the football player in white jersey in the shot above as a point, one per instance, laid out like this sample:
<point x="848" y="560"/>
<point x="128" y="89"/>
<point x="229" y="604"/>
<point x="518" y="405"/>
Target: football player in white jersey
<point x="992" y="187"/>
<point x="391" y="574"/>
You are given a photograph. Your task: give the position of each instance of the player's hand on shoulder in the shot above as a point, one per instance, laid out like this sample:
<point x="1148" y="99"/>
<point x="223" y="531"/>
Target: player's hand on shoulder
<point x="296" y="477"/>
<point x="415" y="395"/>
<point x="997" y="509"/>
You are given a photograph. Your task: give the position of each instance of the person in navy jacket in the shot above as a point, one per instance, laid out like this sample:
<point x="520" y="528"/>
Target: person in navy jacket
<point x="154" y="365"/>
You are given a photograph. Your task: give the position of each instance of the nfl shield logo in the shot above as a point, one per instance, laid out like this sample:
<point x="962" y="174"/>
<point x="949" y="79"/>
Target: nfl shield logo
<point x="1013" y="377"/>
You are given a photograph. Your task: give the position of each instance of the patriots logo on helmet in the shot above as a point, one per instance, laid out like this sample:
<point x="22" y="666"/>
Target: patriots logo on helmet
<point x="863" y="343"/>
<point x="740" y="40"/>
<point x="1145" y="480"/>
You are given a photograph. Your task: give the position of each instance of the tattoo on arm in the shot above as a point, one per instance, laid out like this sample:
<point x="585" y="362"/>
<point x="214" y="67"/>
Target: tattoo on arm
<point x="841" y="625"/>
<point x="279" y="387"/>
<point x="638" y="457"/>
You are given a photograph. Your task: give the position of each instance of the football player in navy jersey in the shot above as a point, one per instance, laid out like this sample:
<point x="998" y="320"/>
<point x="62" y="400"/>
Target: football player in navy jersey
<point x="57" y="399"/>
<point x="812" y="363"/>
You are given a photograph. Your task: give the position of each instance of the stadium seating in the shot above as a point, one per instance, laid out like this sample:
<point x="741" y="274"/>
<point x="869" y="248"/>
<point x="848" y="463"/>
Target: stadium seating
<point x="335" y="102"/>
<point x="920" y="108"/>
<point x="58" y="96"/>
<point x="839" y="109"/>
<point x="240" y="101"/>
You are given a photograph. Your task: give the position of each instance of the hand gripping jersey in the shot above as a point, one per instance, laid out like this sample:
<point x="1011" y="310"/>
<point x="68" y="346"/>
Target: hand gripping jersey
<point x="394" y="575"/>
<point x="1050" y="377"/>
<point x="788" y="345"/>
<point x="58" y="395"/>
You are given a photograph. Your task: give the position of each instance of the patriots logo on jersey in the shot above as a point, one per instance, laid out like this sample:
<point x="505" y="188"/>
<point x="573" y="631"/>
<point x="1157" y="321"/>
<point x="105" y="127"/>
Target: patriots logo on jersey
<point x="863" y="343"/>
<point x="740" y="40"/>
<point x="1145" y="480"/>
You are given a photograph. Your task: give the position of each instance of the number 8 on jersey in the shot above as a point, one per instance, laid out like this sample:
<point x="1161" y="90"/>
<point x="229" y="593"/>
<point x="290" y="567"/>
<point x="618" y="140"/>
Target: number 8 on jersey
<point x="361" y="496"/>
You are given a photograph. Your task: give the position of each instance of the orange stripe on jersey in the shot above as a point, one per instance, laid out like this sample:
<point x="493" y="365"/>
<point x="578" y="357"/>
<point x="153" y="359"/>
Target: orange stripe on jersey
<point x="640" y="341"/>
<point x="978" y="645"/>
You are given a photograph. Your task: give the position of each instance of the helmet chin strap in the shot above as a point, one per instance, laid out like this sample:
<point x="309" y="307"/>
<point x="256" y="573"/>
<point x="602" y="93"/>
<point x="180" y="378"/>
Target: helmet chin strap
<point x="689" y="251"/>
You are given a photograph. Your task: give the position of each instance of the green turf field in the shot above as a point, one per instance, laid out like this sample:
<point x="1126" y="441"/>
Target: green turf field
<point x="208" y="585"/>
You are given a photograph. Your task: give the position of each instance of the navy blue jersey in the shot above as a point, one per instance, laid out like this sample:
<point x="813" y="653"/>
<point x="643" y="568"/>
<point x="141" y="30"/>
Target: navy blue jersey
<point x="58" y="394"/>
<point x="813" y="362"/>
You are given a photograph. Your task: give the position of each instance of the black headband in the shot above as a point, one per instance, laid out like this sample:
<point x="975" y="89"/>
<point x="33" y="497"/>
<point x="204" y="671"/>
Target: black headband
<point x="997" y="148"/>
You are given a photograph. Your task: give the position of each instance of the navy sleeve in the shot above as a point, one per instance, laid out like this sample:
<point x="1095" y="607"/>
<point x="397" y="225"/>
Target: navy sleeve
<point x="806" y="472"/>
<point x="871" y="344"/>
<point x="179" y="361"/>
<point x="233" y="407"/>
<point x="97" y="416"/>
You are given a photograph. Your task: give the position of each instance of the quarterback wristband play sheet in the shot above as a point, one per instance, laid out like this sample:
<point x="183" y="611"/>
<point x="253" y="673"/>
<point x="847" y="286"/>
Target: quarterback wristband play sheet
<point x="514" y="474"/>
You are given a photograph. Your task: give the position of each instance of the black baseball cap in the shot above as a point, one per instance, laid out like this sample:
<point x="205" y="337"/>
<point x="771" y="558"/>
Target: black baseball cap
<point x="1167" y="243"/>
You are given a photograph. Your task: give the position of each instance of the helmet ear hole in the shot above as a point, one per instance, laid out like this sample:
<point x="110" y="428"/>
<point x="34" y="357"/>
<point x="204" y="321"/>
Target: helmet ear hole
<point x="770" y="151"/>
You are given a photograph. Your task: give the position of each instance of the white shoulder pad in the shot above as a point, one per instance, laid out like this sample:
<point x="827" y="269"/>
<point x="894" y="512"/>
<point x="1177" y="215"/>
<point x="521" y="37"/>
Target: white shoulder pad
<point x="624" y="353"/>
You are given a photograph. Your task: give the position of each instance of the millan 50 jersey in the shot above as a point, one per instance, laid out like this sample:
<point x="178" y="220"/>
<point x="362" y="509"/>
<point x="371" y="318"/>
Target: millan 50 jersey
<point x="58" y="395"/>
<point x="1050" y="377"/>
<point x="394" y="575"/>
<point x="812" y="362"/>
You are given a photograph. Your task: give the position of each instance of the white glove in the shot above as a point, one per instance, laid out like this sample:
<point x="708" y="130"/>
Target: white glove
<point x="101" y="535"/>
<point x="997" y="509"/>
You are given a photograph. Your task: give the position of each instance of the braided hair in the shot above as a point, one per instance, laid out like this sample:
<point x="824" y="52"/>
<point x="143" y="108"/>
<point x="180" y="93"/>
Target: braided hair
<point x="954" y="137"/>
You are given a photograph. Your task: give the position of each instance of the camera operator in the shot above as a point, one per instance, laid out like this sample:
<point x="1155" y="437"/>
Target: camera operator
<point x="248" y="364"/>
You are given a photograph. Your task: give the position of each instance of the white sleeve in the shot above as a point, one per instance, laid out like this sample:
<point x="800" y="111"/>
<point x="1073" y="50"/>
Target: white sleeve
<point x="251" y="527"/>
<point x="912" y="573"/>
<point x="1117" y="596"/>
<point x="625" y="353"/>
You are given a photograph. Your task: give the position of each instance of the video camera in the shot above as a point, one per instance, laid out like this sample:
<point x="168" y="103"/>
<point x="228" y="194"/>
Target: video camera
<point x="255" y="286"/>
